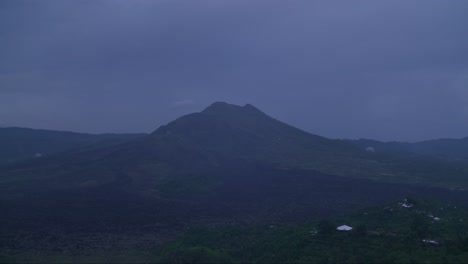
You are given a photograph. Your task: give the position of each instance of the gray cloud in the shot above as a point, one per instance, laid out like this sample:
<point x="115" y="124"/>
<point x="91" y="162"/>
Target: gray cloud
<point x="394" y="70"/>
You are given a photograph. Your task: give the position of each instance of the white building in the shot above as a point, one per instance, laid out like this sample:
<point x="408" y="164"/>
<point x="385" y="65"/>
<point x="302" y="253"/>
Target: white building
<point x="344" y="228"/>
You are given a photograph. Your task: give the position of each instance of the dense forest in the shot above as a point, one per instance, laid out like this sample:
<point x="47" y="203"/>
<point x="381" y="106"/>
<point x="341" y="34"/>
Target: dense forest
<point x="410" y="231"/>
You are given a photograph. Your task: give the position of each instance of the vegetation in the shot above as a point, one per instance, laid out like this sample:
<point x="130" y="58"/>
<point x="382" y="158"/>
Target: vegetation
<point x="428" y="232"/>
<point x="408" y="231"/>
<point x="195" y="255"/>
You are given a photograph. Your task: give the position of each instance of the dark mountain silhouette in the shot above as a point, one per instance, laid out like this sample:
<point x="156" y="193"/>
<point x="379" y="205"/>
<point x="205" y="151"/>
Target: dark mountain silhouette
<point x="226" y="162"/>
<point x="212" y="142"/>
<point x="229" y="132"/>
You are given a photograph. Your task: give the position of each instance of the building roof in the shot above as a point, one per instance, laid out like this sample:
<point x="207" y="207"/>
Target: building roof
<point x="344" y="228"/>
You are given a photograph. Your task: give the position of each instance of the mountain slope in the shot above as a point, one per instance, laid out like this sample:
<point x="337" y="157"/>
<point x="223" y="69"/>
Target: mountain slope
<point x="193" y="153"/>
<point x="230" y="131"/>
<point x="223" y="133"/>
<point x="18" y="144"/>
<point x="205" y="143"/>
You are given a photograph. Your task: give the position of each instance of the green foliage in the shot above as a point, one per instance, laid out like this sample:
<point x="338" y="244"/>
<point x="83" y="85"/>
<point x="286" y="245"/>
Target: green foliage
<point x="7" y="260"/>
<point x="325" y="227"/>
<point x="361" y="230"/>
<point x="195" y="255"/>
<point x="391" y="234"/>
<point x="387" y="234"/>
<point x="419" y="226"/>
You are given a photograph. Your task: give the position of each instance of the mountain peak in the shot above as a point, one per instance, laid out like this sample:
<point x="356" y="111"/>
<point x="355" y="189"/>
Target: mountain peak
<point x="223" y="108"/>
<point x="251" y="108"/>
<point x="219" y="106"/>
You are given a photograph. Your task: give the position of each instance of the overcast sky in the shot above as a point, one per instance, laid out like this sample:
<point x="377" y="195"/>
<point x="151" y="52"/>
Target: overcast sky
<point x="388" y="70"/>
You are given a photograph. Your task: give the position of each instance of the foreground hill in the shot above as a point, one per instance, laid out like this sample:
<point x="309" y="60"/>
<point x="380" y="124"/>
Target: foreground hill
<point x="18" y="144"/>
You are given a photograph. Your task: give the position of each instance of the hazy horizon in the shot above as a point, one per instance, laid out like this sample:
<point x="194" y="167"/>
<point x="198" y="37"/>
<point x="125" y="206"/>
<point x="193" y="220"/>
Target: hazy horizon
<point x="148" y="132"/>
<point x="393" y="70"/>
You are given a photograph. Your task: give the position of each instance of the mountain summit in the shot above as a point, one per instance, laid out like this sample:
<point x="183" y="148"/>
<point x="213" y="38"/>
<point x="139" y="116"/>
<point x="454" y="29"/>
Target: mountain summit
<point x="219" y="108"/>
<point x="245" y="133"/>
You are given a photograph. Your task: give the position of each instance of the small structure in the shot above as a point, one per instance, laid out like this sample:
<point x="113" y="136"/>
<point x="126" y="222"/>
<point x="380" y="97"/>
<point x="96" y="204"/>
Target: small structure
<point x="435" y="218"/>
<point x="406" y="204"/>
<point x="344" y="228"/>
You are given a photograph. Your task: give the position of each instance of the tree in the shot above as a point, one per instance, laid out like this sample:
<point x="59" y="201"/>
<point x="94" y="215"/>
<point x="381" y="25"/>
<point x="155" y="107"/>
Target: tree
<point x="195" y="255"/>
<point x="325" y="227"/>
<point x="361" y="230"/>
<point x="419" y="226"/>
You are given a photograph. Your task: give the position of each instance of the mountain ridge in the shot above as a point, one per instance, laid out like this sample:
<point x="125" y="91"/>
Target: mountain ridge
<point x="221" y="138"/>
<point x="18" y="144"/>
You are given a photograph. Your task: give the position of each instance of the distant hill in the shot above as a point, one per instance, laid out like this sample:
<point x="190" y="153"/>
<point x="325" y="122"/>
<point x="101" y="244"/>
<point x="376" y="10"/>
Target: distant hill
<point x="18" y="144"/>
<point x="195" y="153"/>
<point x="453" y="149"/>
